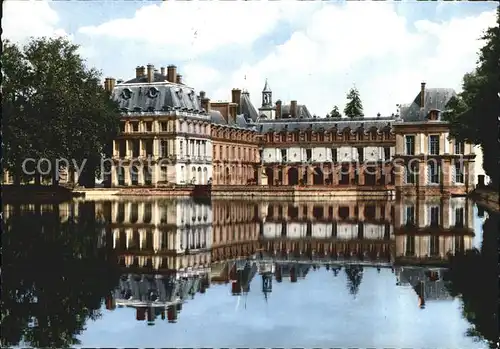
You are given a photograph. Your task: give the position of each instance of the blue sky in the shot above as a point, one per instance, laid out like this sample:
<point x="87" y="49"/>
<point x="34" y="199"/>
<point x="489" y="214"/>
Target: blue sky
<point x="310" y="51"/>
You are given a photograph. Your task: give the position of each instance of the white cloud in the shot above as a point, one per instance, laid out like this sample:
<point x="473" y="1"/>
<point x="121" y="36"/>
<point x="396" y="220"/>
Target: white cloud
<point x="193" y="28"/>
<point x="24" y="19"/>
<point x="381" y="54"/>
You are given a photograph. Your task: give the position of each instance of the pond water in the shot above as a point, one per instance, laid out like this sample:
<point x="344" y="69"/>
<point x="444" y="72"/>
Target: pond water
<point x="179" y="273"/>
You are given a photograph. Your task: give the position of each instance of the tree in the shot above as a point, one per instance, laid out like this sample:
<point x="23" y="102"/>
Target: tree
<point x="354" y="107"/>
<point x="474" y="113"/>
<point x="53" y="107"/>
<point x="335" y="113"/>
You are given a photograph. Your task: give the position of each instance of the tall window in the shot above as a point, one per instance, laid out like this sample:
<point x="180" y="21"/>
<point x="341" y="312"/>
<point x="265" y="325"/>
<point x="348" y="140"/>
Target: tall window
<point x="459" y="147"/>
<point x="410" y="145"/>
<point x="434" y="172"/>
<point x="164" y="126"/>
<point x="164" y="148"/>
<point x="434" y="145"/>
<point x="434" y="216"/>
<point x="309" y="154"/>
<point x="361" y="155"/>
<point x="410" y="246"/>
<point x="411" y="173"/>
<point x="410" y="215"/>
<point x="283" y="155"/>
<point x="135" y="148"/>
<point x="334" y="155"/>
<point x="123" y="148"/>
<point x="387" y="153"/>
<point x="181" y="148"/>
<point x="459" y="173"/>
<point x="459" y="217"/>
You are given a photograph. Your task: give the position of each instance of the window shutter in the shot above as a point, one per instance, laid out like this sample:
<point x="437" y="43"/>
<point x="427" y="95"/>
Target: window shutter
<point x="429" y="174"/>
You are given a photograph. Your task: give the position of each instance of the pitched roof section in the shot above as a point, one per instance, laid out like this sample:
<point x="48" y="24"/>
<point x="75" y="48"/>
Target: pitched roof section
<point x="155" y="97"/>
<point x="247" y="108"/>
<point x="302" y="111"/>
<point x="157" y="77"/>
<point x="434" y="99"/>
<point x="266" y="87"/>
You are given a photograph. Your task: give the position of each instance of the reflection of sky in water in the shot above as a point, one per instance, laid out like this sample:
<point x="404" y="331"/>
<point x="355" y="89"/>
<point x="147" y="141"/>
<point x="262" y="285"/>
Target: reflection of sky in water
<point x="317" y="311"/>
<point x="478" y="228"/>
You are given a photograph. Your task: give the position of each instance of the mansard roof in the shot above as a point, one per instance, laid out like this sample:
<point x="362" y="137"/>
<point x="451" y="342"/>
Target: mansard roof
<point x="317" y="124"/>
<point x="155" y="96"/>
<point x="302" y="111"/>
<point x="434" y="99"/>
<point x="240" y="121"/>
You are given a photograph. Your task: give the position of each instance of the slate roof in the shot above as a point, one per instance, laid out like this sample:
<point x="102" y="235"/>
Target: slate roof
<point x="317" y="124"/>
<point x="434" y="99"/>
<point x="155" y="97"/>
<point x="157" y="77"/>
<point x="248" y="114"/>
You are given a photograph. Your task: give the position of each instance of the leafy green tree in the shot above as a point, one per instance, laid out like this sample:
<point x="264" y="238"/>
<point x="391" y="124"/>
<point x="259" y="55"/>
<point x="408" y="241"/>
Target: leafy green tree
<point x="474" y="113"/>
<point x="54" y="107"/>
<point x="354" y="107"/>
<point x="335" y="113"/>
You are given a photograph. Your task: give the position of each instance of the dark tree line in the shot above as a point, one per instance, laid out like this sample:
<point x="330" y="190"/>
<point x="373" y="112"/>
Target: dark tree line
<point x="474" y="114"/>
<point x="54" y="277"/>
<point x="53" y="107"/>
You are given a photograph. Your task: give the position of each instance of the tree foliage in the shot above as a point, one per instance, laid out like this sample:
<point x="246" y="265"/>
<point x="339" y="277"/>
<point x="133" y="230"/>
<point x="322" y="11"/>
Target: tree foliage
<point x="354" y="107"/>
<point x="474" y="113"/>
<point x="335" y="113"/>
<point x="53" y="106"/>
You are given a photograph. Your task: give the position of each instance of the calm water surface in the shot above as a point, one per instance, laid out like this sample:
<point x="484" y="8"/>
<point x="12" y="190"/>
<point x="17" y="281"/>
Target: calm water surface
<point x="157" y="273"/>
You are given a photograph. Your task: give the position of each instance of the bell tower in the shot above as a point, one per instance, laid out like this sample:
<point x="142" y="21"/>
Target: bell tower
<point x="267" y="96"/>
<point x="267" y="110"/>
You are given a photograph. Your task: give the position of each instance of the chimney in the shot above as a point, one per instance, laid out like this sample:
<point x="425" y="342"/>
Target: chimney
<point x="171" y="73"/>
<point x="178" y="79"/>
<point x="293" y="109"/>
<point x="151" y="69"/>
<point x="202" y="94"/>
<point x="112" y="83"/>
<point x="205" y="104"/>
<point x="138" y="71"/>
<point x="278" y="109"/>
<point x="236" y="98"/>
<point x="142" y="71"/>
<point x="162" y="71"/>
<point x="106" y="85"/>
<point x="422" y="95"/>
<point x="233" y="111"/>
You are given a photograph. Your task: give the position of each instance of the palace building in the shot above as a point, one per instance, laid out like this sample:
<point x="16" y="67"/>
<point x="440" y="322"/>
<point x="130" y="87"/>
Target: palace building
<point x="427" y="159"/>
<point x="301" y="149"/>
<point x="162" y="121"/>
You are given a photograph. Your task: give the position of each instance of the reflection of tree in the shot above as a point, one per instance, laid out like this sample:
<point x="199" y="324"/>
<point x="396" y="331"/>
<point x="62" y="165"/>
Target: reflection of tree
<point x="354" y="276"/>
<point x="54" y="277"/>
<point x="474" y="276"/>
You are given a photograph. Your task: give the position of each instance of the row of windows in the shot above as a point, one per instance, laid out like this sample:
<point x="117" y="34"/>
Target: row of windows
<point x="434" y="173"/>
<point x="164" y="126"/>
<point x="325" y="136"/>
<point x="433" y="146"/>
<point x="360" y="150"/>
<point x="434" y="216"/>
<point x="226" y="152"/>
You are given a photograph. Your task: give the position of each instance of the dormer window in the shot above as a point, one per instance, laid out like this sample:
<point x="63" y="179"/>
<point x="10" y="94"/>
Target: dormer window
<point x="126" y="93"/>
<point x="433" y="115"/>
<point x="153" y="92"/>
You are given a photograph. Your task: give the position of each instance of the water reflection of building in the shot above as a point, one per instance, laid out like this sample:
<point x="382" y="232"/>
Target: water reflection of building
<point x="164" y="247"/>
<point x="343" y="230"/>
<point x="235" y="229"/>
<point x="429" y="229"/>
<point x="162" y="234"/>
<point x="428" y="284"/>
